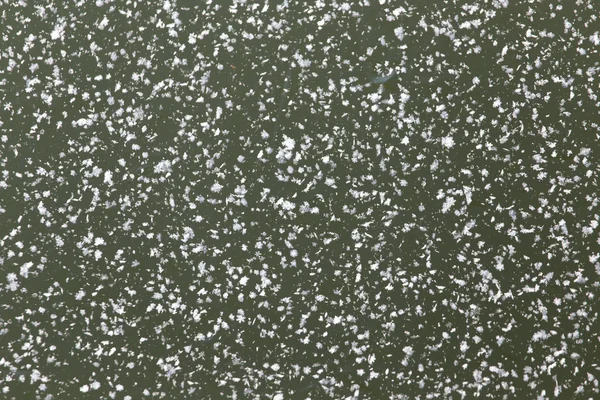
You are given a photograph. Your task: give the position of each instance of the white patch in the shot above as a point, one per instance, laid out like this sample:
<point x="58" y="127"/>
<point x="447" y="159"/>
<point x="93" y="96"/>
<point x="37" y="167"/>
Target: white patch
<point x="540" y="336"/>
<point x="85" y="122"/>
<point x="448" y="142"/>
<point x="25" y="269"/>
<point x="163" y="167"/>
<point x="448" y="203"/>
<point x="399" y="32"/>
<point x="216" y="187"/>
<point x="288" y="143"/>
<point x="108" y="178"/>
<point x="58" y="32"/>
<point x="287" y="205"/>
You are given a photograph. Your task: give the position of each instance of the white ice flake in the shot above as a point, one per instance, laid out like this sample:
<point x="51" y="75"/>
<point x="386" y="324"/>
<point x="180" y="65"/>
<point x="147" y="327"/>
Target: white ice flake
<point x="448" y="203"/>
<point x="287" y="205"/>
<point x="25" y="269"/>
<point x="108" y="178"/>
<point x="188" y="233"/>
<point x="84" y="122"/>
<point x="448" y="142"/>
<point x="399" y="32"/>
<point x="163" y="167"/>
<point x="288" y="143"/>
<point x="540" y="335"/>
<point x="216" y="187"/>
<point x="103" y="23"/>
<point x="58" y="32"/>
<point x="13" y="284"/>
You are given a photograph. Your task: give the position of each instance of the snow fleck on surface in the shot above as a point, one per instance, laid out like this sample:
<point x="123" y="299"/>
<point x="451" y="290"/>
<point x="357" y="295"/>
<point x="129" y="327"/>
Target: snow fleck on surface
<point x="448" y="141"/>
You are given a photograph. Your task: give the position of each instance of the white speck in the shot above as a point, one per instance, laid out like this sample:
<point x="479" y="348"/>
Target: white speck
<point x="448" y="141"/>
<point x="103" y="23"/>
<point x="108" y="178"/>
<point x="216" y="187"/>
<point x="448" y="203"/>
<point x="58" y="32"/>
<point x="163" y="166"/>
<point x="25" y="269"/>
<point x="399" y="32"/>
<point x="288" y="143"/>
<point x="83" y="122"/>
<point x="540" y="335"/>
<point x="287" y="205"/>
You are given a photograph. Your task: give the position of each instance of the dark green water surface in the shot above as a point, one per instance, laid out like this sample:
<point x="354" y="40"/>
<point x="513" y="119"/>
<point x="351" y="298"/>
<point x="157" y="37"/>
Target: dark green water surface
<point x="291" y="200"/>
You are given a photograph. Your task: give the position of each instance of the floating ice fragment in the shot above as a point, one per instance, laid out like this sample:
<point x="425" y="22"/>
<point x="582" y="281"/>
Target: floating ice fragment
<point x="83" y="122"/>
<point x="399" y="32"/>
<point x="540" y="335"/>
<point x="288" y="143"/>
<point x="448" y="142"/>
<point x="448" y="203"/>
<point x="108" y="178"/>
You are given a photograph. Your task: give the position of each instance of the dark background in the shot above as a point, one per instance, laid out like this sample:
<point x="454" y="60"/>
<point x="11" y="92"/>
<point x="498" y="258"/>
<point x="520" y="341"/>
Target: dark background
<point x="381" y="270"/>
